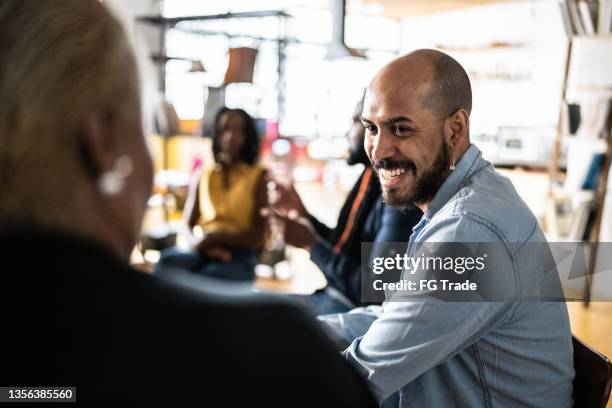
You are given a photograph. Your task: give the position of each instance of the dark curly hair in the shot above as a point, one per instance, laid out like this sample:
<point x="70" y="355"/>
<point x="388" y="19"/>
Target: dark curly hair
<point x="250" y="150"/>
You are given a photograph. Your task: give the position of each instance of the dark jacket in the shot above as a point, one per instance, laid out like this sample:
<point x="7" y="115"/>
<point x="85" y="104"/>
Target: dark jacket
<point x="375" y="222"/>
<point x="75" y="315"/>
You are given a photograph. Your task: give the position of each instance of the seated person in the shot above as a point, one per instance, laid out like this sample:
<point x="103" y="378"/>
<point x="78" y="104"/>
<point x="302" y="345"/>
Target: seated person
<point x="75" y="179"/>
<point x="500" y="344"/>
<point x="363" y="218"/>
<point x="225" y="202"/>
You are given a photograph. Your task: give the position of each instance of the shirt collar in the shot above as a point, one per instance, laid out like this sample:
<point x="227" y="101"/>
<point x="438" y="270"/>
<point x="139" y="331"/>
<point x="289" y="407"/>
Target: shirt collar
<point x="463" y="170"/>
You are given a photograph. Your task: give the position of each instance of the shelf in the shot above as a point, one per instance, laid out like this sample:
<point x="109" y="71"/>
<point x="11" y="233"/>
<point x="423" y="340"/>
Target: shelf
<point x="161" y="20"/>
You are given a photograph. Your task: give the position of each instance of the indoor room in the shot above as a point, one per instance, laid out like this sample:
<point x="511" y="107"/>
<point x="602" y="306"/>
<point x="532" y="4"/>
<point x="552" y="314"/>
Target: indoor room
<point x="307" y="203"/>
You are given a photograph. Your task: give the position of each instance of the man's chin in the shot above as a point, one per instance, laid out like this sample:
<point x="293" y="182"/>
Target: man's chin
<point x="393" y="198"/>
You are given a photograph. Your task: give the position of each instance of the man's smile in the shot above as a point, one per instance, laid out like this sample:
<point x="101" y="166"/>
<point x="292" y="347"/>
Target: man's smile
<point x="392" y="178"/>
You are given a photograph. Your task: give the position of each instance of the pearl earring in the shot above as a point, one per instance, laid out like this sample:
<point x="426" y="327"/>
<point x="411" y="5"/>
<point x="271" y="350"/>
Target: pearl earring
<point x="112" y="182"/>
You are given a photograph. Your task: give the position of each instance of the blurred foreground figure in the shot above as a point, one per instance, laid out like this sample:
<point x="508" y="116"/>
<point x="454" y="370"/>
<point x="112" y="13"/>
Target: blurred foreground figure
<point x="75" y="176"/>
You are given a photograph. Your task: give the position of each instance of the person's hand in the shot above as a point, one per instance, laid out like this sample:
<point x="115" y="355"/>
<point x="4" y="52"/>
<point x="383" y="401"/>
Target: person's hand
<point x="299" y="231"/>
<point x="285" y="199"/>
<point x="219" y="254"/>
<point x="207" y="242"/>
<point x="209" y="248"/>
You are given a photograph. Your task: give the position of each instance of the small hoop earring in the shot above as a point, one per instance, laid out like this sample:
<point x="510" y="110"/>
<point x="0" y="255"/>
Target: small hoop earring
<point x="112" y="182"/>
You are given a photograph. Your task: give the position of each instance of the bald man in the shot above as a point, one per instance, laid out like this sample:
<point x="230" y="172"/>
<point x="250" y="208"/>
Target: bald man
<point x="500" y="347"/>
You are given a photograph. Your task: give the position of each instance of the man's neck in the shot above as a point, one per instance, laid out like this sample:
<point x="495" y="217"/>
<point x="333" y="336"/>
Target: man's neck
<point x="424" y="207"/>
<point x="459" y="154"/>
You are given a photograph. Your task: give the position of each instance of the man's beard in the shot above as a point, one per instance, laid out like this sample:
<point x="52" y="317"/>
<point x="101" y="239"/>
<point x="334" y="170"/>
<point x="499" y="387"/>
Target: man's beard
<point x="425" y="186"/>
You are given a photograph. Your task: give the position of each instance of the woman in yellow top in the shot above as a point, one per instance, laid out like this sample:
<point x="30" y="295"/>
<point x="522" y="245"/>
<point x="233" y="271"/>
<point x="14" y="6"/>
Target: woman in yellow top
<point x="225" y="203"/>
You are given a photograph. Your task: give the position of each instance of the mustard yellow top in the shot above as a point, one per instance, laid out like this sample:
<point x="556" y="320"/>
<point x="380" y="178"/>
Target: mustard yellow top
<point x="228" y="209"/>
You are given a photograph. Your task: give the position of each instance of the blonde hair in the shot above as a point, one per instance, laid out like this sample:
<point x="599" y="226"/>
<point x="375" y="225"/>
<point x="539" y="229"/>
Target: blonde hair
<point x="61" y="59"/>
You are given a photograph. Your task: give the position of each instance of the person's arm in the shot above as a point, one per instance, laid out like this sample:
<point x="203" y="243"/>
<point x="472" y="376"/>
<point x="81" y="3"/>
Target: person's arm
<point x="422" y="331"/>
<point x="246" y="239"/>
<point x="412" y="337"/>
<point x="191" y="212"/>
<point x="343" y="271"/>
<point x="285" y="199"/>
<point x="343" y="328"/>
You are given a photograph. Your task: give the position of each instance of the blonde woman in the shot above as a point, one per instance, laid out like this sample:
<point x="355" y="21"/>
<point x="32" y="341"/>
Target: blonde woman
<point x="75" y="176"/>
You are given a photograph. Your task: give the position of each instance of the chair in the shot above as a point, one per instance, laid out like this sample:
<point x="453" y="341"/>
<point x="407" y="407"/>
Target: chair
<point x="593" y="376"/>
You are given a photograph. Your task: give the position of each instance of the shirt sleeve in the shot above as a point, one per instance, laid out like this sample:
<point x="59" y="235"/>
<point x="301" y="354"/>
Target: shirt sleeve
<point x="343" y="328"/>
<point x="411" y="337"/>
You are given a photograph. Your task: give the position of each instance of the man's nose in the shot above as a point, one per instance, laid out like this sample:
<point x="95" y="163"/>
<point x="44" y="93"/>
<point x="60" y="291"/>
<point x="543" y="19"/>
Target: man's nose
<point x="382" y="147"/>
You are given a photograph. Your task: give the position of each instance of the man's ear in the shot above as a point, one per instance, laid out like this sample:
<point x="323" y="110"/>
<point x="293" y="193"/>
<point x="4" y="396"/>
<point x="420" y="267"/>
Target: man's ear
<point x="456" y="128"/>
<point x="97" y="141"/>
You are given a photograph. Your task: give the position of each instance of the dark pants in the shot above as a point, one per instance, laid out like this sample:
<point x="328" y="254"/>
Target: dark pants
<point x="240" y="268"/>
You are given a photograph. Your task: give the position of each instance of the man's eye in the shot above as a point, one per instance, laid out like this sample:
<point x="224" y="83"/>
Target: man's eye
<point x="369" y="127"/>
<point x="400" y="130"/>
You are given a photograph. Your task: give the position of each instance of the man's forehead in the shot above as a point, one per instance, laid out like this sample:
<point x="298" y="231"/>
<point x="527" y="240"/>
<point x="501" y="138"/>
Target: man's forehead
<point x="402" y="85"/>
<point x="385" y="103"/>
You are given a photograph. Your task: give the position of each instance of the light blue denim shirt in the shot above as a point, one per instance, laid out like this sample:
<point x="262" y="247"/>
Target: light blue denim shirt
<point x="468" y="354"/>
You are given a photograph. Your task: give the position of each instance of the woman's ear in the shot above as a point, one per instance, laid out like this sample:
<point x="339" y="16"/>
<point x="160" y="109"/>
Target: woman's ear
<point x="97" y="141"/>
<point x="456" y="128"/>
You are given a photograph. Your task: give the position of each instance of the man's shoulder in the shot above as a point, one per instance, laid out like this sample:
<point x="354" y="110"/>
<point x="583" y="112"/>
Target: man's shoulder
<point x="489" y="200"/>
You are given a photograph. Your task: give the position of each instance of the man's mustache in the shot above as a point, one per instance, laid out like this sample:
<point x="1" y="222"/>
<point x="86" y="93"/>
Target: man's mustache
<point x="390" y="164"/>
